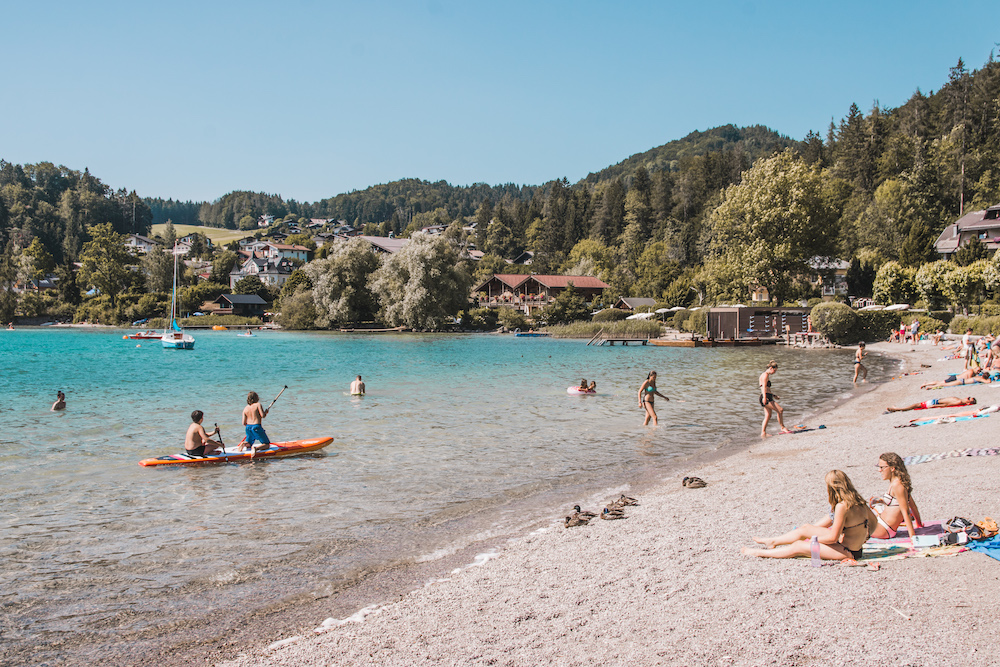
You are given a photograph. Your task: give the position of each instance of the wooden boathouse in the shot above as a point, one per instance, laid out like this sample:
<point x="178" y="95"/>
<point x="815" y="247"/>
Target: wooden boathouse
<point x="735" y="323"/>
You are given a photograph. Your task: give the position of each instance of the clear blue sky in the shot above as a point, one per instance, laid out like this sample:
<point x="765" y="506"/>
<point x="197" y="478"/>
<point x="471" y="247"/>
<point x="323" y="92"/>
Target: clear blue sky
<point x="311" y="98"/>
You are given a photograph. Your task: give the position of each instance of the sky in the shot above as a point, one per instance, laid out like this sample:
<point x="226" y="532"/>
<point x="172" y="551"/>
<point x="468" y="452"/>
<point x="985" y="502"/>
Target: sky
<point x="310" y="98"/>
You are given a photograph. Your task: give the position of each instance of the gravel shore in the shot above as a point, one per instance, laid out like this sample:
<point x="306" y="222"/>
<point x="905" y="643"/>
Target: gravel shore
<point x="668" y="585"/>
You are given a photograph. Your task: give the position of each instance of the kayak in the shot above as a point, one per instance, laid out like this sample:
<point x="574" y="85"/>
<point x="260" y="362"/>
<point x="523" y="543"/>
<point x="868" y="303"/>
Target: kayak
<point x="277" y="449"/>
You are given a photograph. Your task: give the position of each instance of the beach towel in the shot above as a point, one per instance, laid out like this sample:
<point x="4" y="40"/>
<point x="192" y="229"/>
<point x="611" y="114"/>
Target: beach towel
<point x="926" y="543"/>
<point x="957" y="417"/>
<point x="990" y="547"/>
<point x="955" y="453"/>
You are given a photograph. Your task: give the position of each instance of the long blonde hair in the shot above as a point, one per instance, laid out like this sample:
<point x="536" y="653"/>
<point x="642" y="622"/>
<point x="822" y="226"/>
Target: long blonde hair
<point x="840" y="490"/>
<point x="894" y="461"/>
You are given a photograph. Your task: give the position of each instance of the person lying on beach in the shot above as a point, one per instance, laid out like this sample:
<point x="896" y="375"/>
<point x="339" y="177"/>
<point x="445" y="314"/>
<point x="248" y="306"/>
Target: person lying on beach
<point x="769" y="401"/>
<point x="196" y="442"/>
<point x="253" y="415"/>
<point x="837" y="537"/>
<point x="889" y="509"/>
<point x="60" y="403"/>
<point x="975" y="379"/>
<point x="946" y="402"/>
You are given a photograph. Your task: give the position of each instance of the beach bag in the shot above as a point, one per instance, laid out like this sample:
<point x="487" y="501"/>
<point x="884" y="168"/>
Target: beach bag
<point x="957" y="525"/>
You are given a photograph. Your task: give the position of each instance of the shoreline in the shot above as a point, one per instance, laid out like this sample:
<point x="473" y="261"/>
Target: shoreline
<point x="649" y="578"/>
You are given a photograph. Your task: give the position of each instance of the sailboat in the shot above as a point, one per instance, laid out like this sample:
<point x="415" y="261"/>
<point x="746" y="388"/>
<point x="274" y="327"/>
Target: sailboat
<point x="174" y="337"/>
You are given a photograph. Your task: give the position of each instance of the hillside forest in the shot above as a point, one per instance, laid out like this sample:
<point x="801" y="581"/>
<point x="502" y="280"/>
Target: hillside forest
<point x="699" y="220"/>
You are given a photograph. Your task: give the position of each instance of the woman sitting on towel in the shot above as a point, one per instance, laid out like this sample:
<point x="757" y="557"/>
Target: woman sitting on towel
<point x="835" y="537"/>
<point x="889" y="508"/>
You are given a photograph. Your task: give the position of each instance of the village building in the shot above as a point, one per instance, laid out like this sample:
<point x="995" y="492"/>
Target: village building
<point x="244" y="305"/>
<point x="982" y="225"/>
<point x="139" y="244"/>
<point x="736" y="322"/>
<point x="632" y="303"/>
<point x="531" y="292"/>
<point x="829" y="275"/>
<point x="270" y="271"/>
<point x="384" y="244"/>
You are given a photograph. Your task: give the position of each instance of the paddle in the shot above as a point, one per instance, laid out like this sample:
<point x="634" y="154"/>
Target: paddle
<point x="276" y="398"/>
<point x="219" y="433"/>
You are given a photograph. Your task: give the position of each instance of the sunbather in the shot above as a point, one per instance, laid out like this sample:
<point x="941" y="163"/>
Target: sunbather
<point x="838" y="536"/>
<point x="890" y="507"/>
<point x="957" y="382"/>
<point x="946" y="402"/>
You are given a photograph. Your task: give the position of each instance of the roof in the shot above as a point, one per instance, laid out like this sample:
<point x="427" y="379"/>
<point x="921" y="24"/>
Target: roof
<point x="828" y="263"/>
<point x="636" y="302"/>
<point x="282" y="246"/>
<point x="580" y="282"/>
<point x="384" y="243"/>
<point x="243" y="299"/>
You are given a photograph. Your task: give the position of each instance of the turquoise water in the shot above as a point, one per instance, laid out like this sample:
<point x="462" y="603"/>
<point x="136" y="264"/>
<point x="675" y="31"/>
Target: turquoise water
<point x="456" y="436"/>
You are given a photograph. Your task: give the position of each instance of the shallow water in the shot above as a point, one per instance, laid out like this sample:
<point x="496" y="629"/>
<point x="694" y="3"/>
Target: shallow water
<point x="454" y="434"/>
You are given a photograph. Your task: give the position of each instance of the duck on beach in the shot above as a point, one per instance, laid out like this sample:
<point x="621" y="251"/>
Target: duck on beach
<point x="576" y="520"/>
<point x="611" y="513"/>
<point x="694" y="483"/>
<point x="579" y="512"/>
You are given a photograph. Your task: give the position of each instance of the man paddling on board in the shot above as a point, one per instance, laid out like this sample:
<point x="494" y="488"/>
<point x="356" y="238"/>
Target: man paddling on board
<point x="253" y="415"/>
<point x="197" y="443"/>
<point x="357" y="387"/>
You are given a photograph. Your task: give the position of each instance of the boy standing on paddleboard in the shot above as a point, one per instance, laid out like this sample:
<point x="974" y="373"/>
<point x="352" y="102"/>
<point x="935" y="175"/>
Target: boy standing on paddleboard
<point x="196" y="443"/>
<point x="253" y="415"/>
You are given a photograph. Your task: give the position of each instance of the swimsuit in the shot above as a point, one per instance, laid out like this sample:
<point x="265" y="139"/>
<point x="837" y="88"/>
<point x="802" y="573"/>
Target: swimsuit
<point x="888" y="500"/>
<point x="255" y="432"/>
<point x="768" y="397"/>
<point x="648" y="396"/>
<point x="850" y="537"/>
<point x="197" y="451"/>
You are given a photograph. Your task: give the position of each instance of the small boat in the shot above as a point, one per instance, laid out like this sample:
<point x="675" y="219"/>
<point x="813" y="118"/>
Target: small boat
<point x="276" y="450"/>
<point x="149" y="334"/>
<point x="174" y="338"/>
<point x="219" y="327"/>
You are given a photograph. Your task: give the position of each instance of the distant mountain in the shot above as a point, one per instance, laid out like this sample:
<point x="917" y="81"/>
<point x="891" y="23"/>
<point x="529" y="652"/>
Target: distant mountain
<point x="754" y="141"/>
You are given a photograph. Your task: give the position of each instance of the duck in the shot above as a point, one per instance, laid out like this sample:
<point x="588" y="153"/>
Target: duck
<point x="576" y="520"/>
<point x="694" y="482"/>
<point x="624" y="501"/>
<point x="611" y="513"/>
<point x="580" y="512"/>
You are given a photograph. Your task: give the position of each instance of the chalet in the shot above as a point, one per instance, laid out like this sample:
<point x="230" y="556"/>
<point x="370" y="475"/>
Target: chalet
<point x="433" y="230"/>
<point x="524" y="258"/>
<point x="983" y="225"/>
<point x="140" y="244"/>
<point x="829" y="275"/>
<point x="732" y="323"/>
<point x="245" y="305"/>
<point x="530" y="292"/>
<point x="270" y="271"/>
<point x="631" y="303"/>
<point x="189" y="239"/>
<point x="265" y="220"/>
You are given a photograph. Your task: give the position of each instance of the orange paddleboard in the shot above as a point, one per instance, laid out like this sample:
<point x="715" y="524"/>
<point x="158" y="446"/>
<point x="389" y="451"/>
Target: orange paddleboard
<point x="277" y="449"/>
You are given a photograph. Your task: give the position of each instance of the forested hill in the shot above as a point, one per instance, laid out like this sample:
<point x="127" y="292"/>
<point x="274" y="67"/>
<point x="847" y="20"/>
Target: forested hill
<point x="745" y="144"/>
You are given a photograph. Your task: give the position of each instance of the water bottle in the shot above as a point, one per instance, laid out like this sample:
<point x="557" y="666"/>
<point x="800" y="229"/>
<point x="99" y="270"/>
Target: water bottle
<point x="814" y="559"/>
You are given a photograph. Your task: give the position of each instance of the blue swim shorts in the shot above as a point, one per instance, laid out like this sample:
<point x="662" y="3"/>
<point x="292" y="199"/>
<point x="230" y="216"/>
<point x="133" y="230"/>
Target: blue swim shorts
<point x="255" y="432"/>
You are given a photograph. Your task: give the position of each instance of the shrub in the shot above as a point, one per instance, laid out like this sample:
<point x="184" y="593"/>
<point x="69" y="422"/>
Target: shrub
<point x="610" y="315"/>
<point x="484" y="319"/>
<point x="834" y="320"/>
<point x="649" y="328"/>
<point x="680" y="317"/>
<point x="943" y="315"/>
<point x="697" y="322"/>
<point x="873" y="325"/>
<point x="988" y="309"/>
<point x="980" y="325"/>
<point x="512" y="319"/>
<point x="929" y="324"/>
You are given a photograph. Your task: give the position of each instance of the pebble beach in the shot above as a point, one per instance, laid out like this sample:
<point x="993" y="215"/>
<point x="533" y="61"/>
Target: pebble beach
<point x="669" y="586"/>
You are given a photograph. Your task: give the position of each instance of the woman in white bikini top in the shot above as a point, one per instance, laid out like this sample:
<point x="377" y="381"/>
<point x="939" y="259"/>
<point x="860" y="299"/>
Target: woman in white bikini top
<point x="889" y="509"/>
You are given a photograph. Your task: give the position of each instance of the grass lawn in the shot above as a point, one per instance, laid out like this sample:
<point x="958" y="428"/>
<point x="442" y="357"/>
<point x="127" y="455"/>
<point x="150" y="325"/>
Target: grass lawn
<point x="218" y="235"/>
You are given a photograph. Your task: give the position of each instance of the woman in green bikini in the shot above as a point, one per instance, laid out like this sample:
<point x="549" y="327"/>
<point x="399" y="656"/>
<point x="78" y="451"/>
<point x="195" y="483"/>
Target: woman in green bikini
<point x="646" y="393"/>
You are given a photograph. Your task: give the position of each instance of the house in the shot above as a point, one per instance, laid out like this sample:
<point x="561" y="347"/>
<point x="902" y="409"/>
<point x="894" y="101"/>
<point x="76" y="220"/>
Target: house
<point x="139" y="244"/>
<point x="189" y="239"/>
<point x="829" y="275"/>
<point x="760" y="295"/>
<point x="383" y="244"/>
<point x="631" y="303"/>
<point x="281" y="250"/>
<point x="265" y="220"/>
<point x="433" y="230"/>
<point x="270" y="271"/>
<point x="983" y="225"/>
<point x="245" y="305"/>
<point x="524" y="258"/>
<point x="531" y="292"/>
<point x="731" y="323"/>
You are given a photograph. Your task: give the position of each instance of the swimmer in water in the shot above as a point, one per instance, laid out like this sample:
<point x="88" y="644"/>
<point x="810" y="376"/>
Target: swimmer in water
<point x="357" y="387"/>
<point x="769" y="401"/>
<point x="60" y="403"/>
<point x="858" y="366"/>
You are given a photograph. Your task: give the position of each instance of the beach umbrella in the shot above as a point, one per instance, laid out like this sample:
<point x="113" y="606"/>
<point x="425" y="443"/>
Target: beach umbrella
<point x="660" y="311"/>
<point x="898" y="306"/>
